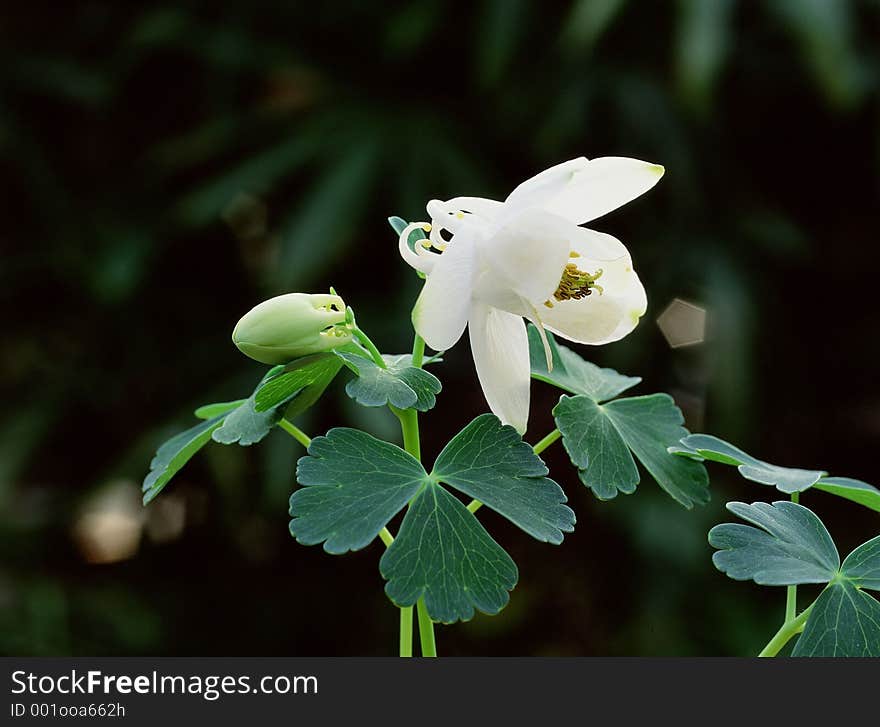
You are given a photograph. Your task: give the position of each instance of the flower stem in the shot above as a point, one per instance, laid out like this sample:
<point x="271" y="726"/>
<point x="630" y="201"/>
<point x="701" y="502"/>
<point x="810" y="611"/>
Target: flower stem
<point x="547" y="441"/>
<point x="791" y="591"/>
<point x="418" y="352"/>
<point x="298" y="434"/>
<point x="409" y="426"/>
<point x="426" y="630"/>
<point x="406" y="631"/>
<point x="786" y="631"/>
<point x="365" y="341"/>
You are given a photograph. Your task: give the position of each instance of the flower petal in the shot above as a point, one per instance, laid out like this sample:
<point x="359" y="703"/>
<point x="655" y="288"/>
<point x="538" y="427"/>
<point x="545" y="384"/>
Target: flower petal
<point x="600" y="251"/>
<point x="600" y="317"/>
<point x="526" y="255"/>
<point x="419" y="258"/>
<point x="594" y="320"/>
<point x="545" y="186"/>
<point x="482" y="207"/>
<point x="500" y="346"/>
<point x="441" y="312"/>
<point x="581" y="191"/>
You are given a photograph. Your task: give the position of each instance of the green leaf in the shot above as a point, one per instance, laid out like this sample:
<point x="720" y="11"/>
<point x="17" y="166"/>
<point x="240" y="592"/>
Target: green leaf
<point x="862" y="566"/>
<point x="574" y="374"/>
<point x="209" y="411"/>
<point x="443" y="553"/>
<point x="400" y="384"/>
<point x="353" y="484"/>
<point x="489" y="461"/>
<point x="598" y="438"/>
<point x="245" y="425"/>
<point x="313" y="373"/>
<point x="321" y="378"/>
<point x="844" y="622"/>
<point x="790" y="545"/>
<point x="784" y="479"/>
<point x="175" y="453"/>
<point x="595" y="447"/>
<point x="850" y="489"/>
<point x="649" y="425"/>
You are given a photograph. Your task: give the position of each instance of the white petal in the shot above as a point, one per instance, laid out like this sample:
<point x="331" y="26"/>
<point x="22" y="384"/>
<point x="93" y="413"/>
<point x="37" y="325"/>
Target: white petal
<point x="420" y="258"/>
<point x="600" y="251"/>
<point x="500" y="346"/>
<point x="526" y="255"/>
<point x="581" y="192"/>
<point x="545" y="186"/>
<point x="595" y="320"/>
<point x="486" y="209"/>
<point x="440" y="314"/>
<point x="458" y="213"/>
<point x="599" y="318"/>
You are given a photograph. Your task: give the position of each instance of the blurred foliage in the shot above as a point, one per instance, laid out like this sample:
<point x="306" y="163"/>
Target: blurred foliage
<point x="165" y="167"/>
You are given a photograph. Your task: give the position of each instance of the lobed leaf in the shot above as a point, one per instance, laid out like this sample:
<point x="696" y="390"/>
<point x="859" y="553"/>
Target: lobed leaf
<point x="788" y="546"/>
<point x="649" y="425"/>
<point x="489" y="461"/>
<point x="595" y="447"/>
<point x="784" y="479"/>
<point x="600" y="438"/>
<point x="353" y="484"/>
<point x="400" y="384"/>
<point x="844" y="622"/>
<point x="443" y="553"/>
<point x="862" y="566"/>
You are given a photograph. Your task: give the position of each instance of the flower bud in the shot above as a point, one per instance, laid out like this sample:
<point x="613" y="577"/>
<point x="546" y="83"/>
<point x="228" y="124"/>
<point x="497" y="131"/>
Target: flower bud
<point x="289" y="326"/>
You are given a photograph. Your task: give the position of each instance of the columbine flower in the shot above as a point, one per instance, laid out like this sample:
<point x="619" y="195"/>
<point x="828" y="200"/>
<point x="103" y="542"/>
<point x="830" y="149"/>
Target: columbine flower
<point x="491" y="264"/>
<point x="286" y="327"/>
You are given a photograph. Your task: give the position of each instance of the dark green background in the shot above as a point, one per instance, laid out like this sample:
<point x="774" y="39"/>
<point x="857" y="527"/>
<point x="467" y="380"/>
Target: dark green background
<point x="165" y="167"/>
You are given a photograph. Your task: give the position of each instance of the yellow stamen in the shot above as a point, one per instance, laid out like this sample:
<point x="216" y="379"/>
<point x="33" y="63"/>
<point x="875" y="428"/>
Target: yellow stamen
<point x="577" y="284"/>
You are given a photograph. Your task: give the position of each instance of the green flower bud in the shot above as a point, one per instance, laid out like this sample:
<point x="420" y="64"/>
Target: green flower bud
<point x="286" y="327"/>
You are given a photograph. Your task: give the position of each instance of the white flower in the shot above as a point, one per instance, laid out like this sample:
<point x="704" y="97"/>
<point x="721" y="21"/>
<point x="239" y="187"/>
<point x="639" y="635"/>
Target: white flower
<point x="491" y="264"/>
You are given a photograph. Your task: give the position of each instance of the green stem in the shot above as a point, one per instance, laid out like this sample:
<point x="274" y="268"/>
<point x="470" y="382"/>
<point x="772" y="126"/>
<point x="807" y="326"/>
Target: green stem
<point x="294" y="431"/>
<point x="547" y="441"/>
<point x="790" y="603"/>
<point x="409" y="425"/>
<point x="791" y="591"/>
<point x="406" y="631"/>
<point x="370" y="346"/>
<point x="785" y="633"/>
<point x="418" y="352"/>
<point x="386" y="537"/>
<point x="426" y="630"/>
<point x="537" y="449"/>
